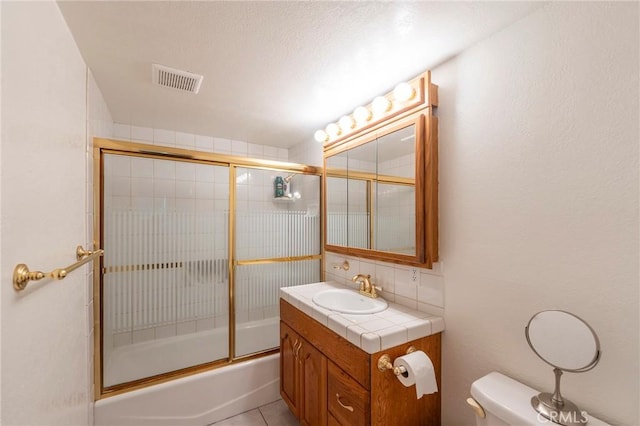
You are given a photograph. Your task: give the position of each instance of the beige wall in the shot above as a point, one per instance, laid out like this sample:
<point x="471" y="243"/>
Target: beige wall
<point x="539" y="201"/>
<point x="47" y="329"/>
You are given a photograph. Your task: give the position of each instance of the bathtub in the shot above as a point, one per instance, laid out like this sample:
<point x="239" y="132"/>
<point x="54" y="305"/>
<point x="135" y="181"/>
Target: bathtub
<point x="200" y="399"/>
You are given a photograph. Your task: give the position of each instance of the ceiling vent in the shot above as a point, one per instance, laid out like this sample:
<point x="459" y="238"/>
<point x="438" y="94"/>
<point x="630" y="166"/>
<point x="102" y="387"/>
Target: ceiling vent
<point x="176" y="79"/>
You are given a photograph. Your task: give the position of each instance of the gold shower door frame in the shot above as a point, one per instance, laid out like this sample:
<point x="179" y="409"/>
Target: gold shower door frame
<point x="103" y="146"/>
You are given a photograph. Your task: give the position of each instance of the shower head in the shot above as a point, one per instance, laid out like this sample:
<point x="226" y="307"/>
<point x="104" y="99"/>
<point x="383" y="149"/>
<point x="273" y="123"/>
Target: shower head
<point x="288" y="178"/>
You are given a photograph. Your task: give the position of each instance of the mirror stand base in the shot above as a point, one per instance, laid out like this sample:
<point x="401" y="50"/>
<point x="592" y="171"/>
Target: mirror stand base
<point x="567" y="414"/>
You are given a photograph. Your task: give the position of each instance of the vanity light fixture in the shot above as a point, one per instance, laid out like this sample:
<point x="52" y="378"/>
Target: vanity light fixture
<point x="381" y="105"/>
<point x="321" y="136"/>
<point x="333" y="130"/>
<point x="362" y="115"/>
<point x="346" y="123"/>
<point x="403" y="92"/>
<point x="404" y="97"/>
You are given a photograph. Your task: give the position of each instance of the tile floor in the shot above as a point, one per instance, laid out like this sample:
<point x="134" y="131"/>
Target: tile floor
<point x="274" y="414"/>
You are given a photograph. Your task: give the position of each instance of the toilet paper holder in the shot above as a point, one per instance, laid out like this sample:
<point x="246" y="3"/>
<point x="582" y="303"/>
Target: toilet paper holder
<point x="384" y="363"/>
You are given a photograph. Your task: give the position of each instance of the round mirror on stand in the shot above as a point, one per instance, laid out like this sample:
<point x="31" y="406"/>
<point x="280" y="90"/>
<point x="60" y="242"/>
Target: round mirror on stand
<point x="567" y="343"/>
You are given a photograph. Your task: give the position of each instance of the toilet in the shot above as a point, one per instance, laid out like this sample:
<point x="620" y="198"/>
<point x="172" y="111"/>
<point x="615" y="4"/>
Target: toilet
<point x="499" y="400"/>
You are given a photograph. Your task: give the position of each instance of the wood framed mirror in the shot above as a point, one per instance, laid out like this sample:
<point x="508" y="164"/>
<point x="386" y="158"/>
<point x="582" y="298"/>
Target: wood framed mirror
<point x="380" y="184"/>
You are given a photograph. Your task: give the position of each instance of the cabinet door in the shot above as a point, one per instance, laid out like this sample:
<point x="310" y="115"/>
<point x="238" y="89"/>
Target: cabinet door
<point x="313" y="386"/>
<point x="289" y="386"/>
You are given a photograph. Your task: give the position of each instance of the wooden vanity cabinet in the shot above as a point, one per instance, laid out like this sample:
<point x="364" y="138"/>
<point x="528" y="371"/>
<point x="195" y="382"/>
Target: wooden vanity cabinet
<point x="303" y="378"/>
<point x="332" y="382"/>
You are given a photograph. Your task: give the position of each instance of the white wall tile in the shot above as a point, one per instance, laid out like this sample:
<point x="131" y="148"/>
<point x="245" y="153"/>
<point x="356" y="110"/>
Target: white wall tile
<point x="141" y="167"/>
<point x="141" y="187"/>
<point x="122" y="131"/>
<point x="164" y="169"/>
<point x="205" y="173"/>
<point x="120" y="165"/>
<point x="166" y="331"/>
<point x="204" y="143"/>
<point x="431" y="289"/>
<point x="142" y="134"/>
<point x="205" y="191"/>
<point x="221" y="191"/>
<point x="239" y="148"/>
<point x="185" y="171"/>
<point x="222" y="146"/>
<point x="164" y="188"/>
<point x="185" y="140"/>
<point x="430" y="309"/>
<point x="121" y="186"/>
<point x="405" y="301"/>
<point x="406" y="289"/>
<point x="143" y="335"/>
<point x="283" y="154"/>
<point x="185" y="189"/>
<point x="270" y="153"/>
<point x="256" y="151"/>
<point x="164" y="137"/>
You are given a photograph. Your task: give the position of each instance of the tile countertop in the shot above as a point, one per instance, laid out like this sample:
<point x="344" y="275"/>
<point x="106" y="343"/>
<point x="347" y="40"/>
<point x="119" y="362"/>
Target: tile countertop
<point x="373" y="332"/>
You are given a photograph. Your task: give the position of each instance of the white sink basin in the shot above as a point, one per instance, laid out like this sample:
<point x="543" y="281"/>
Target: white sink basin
<point x="349" y="302"/>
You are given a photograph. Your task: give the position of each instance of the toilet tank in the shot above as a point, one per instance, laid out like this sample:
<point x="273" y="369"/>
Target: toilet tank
<point x="508" y="402"/>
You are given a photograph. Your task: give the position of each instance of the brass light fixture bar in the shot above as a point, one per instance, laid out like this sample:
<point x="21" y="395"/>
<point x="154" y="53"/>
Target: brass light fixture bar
<point x="22" y="275"/>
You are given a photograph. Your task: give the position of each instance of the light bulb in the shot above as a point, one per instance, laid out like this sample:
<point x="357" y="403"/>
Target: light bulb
<point x="381" y="105"/>
<point x="346" y="123"/>
<point x="333" y="130"/>
<point x="403" y="92"/>
<point x="362" y="115"/>
<point x="320" y="136"/>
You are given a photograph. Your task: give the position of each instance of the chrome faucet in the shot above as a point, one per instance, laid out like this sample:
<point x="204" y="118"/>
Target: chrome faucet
<point x="366" y="287"/>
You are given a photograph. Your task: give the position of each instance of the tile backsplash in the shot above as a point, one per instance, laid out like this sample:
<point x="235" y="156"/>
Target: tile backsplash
<point x="416" y="288"/>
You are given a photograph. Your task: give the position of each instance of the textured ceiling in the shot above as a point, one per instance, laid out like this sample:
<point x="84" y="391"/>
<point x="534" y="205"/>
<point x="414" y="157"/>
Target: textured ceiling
<point x="274" y="72"/>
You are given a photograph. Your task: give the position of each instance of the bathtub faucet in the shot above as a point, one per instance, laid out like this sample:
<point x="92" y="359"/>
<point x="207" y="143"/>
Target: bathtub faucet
<point x="366" y="287"/>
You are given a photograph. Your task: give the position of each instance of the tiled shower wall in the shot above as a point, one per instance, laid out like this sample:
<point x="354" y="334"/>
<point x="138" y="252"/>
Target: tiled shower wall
<point x="416" y="288"/>
<point x="172" y="138"/>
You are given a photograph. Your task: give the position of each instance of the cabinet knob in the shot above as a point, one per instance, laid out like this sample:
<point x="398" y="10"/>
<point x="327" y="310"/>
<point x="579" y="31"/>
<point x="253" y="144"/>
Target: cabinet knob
<point x="346" y="407"/>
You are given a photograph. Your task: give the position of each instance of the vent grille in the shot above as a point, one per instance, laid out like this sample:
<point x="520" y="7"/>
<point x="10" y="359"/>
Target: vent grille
<point x="176" y="79"/>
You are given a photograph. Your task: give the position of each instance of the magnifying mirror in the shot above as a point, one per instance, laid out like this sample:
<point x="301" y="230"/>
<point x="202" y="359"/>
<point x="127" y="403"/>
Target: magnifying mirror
<point x="567" y="343"/>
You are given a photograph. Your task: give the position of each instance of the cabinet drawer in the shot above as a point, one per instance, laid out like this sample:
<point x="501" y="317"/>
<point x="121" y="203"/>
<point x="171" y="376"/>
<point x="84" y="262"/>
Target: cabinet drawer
<point x="348" y="401"/>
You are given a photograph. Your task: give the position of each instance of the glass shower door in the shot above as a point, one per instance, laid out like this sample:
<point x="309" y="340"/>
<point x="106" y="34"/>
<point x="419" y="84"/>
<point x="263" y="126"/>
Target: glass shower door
<point x="277" y="245"/>
<point x="165" y="292"/>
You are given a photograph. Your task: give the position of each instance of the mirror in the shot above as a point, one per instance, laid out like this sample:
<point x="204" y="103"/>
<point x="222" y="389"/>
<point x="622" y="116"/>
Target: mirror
<point x="371" y="195"/>
<point x="567" y="343"/>
<point x="380" y="183"/>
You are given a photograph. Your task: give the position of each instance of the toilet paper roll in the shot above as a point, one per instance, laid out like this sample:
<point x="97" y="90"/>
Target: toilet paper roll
<point x="419" y="371"/>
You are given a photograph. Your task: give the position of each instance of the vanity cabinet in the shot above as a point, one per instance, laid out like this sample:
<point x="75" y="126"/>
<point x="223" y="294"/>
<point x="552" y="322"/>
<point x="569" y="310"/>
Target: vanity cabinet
<point x="326" y="380"/>
<point x="303" y="380"/>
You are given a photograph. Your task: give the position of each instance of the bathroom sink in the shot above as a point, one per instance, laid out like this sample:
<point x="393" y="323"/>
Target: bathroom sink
<point x="349" y="302"/>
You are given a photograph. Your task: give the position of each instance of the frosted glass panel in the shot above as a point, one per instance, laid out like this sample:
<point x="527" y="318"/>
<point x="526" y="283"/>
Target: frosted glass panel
<point x="268" y="227"/>
<point x="165" y="285"/>
<point x="272" y="226"/>
<point x="257" y="300"/>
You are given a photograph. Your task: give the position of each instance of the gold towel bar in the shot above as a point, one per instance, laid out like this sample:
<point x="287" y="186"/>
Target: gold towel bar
<point x="22" y="275"/>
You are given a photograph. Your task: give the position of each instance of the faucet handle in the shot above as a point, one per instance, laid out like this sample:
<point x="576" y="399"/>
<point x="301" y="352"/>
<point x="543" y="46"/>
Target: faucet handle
<point x="374" y="289"/>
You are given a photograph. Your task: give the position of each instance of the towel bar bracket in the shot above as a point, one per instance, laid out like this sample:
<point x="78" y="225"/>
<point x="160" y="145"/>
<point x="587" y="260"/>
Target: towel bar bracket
<point x="22" y="275"/>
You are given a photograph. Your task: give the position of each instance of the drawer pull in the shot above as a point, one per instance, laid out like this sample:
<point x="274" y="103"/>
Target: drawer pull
<point x="346" y="407"/>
